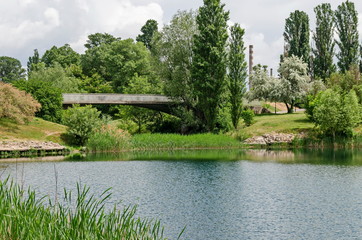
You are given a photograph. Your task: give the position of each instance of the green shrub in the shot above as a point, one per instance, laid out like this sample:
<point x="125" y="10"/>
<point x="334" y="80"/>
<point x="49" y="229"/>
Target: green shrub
<point x="337" y="114"/>
<point x="81" y="122"/>
<point x="310" y="103"/>
<point x="248" y="117"/>
<point x="47" y="95"/>
<point x="108" y="138"/>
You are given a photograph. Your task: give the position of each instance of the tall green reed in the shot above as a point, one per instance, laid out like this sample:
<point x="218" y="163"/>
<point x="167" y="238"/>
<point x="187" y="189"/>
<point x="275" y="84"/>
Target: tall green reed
<point x="25" y="216"/>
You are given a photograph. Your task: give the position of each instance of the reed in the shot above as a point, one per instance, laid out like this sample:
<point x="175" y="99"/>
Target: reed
<point x="108" y="139"/>
<point x="25" y="216"/>
<point x="176" y="141"/>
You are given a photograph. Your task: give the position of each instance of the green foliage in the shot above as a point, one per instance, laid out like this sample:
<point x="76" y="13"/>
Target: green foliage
<point x="311" y="102"/>
<point x="78" y="216"/>
<point x="296" y="35"/>
<point x="173" y="49"/>
<point x="95" y="84"/>
<point x="16" y="105"/>
<point x="209" y="62"/>
<point x="237" y="72"/>
<point x="97" y="39"/>
<point x="10" y="70"/>
<point x="294" y="82"/>
<point x="117" y="62"/>
<point x="148" y="30"/>
<point x="345" y="81"/>
<point x="248" y="117"/>
<point x="81" y="122"/>
<point x="346" y="19"/>
<point x="57" y="76"/>
<point x="108" y="139"/>
<point x="65" y="56"/>
<point x="141" y="116"/>
<point x="176" y="141"/>
<point x="323" y="65"/>
<point x="33" y="61"/>
<point x="337" y="114"/>
<point x="47" y="95"/>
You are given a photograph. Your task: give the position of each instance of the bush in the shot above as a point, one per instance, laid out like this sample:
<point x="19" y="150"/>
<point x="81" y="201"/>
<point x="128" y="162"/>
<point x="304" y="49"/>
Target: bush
<point x="16" y="105"/>
<point x="49" y="97"/>
<point x="248" y="117"/>
<point x="108" y="138"/>
<point x="81" y="122"/>
<point x="337" y="114"/>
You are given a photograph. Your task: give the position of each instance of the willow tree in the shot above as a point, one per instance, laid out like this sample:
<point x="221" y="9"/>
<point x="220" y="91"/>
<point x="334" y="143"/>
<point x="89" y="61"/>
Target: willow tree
<point x="346" y="18"/>
<point x="296" y="35"/>
<point x="209" y="62"/>
<point x="237" y="72"/>
<point x="324" y="42"/>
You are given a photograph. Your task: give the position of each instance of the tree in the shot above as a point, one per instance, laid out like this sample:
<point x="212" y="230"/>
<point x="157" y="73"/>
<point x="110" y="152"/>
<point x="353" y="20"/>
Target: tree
<point x="323" y="65"/>
<point x="138" y="85"/>
<point x="10" y="69"/>
<point x="346" y="18"/>
<point x="294" y="81"/>
<point x="64" y="55"/>
<point x="97" y="39"/>
<point x="209" y="62"/>
<point x="117" y="62"/>
<point x="296" y="35"/>
<point x="335" y="113"/>
<point x="57" y="76"/>
<point x="237" y="72"/>
<point x="33" y="61"/>
<point x="174" y="53"/>
<point x="261" y="84"/>
<point x="47" y="95"/>
<point x="148" y="30"/>
<point x="16" y="105"/>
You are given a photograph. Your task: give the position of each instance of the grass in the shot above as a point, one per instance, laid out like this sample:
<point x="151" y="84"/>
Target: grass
<point x="176" y="141"/>
<point x="38" y="129"/>
<point x="25" y="216"/>
<point x="285" y="123"/>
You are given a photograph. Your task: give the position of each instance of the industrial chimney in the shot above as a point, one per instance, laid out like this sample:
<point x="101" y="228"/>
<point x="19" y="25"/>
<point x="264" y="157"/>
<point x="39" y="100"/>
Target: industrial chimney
<point x="250" y="63"/>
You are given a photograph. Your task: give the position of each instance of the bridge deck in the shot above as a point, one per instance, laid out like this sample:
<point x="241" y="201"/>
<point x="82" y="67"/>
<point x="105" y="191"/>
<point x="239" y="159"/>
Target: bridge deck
<point x="155" y="102"/>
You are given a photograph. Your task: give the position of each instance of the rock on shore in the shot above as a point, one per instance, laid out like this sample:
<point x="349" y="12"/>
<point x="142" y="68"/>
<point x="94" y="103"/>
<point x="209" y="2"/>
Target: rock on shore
<point x="28" y="145"/>
<point x="271" y="138"/>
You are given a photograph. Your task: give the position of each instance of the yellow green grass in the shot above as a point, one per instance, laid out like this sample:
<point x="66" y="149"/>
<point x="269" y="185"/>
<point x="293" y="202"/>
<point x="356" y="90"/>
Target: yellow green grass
<point x="281" y="123"/>
<point x="38" y="129"/>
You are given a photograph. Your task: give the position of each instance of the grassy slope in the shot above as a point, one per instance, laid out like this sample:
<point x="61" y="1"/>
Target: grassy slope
<point x="286" y="123"/>
<point x="37" y="129"/>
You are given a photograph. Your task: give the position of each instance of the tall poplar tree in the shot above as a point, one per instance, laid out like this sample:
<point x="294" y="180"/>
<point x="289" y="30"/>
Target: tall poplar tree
<point x="346" y="18"/>
<point x="148" y="30"/>
<point x="296" y="35"/>
<point x="209" y="63"/>
<point x="237" y="72"/>
<point x="35" y="59"/>
<point x="324" y="42"/>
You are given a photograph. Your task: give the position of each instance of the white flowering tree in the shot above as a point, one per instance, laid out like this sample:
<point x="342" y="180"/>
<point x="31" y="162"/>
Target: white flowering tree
<point x="294" y="81"/>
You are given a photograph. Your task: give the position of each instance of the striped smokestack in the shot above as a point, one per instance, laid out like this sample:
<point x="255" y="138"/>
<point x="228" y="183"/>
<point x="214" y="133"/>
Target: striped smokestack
<point x="250" y="62"/>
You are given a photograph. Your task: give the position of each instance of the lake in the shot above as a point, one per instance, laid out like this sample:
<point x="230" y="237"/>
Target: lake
<point x="220" y="194"/>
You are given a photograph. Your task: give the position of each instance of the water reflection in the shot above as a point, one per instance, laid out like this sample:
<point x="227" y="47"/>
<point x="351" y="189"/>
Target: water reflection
<point x="310" y="156"/>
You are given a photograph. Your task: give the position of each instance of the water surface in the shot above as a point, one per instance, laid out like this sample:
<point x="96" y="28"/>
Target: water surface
<point x="252" y="194"/>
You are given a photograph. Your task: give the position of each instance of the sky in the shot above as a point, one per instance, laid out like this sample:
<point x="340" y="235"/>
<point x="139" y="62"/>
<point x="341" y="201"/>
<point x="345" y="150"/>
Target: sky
<point x="26" y="25"/>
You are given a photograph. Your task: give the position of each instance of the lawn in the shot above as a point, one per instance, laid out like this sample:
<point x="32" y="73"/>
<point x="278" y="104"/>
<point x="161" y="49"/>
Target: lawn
<point x="38" y="129"/>
<point x="285" y="123"/>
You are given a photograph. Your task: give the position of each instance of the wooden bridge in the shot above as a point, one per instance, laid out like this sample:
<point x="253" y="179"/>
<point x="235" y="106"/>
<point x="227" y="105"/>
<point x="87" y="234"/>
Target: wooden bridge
<point x="154" y="102"/>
